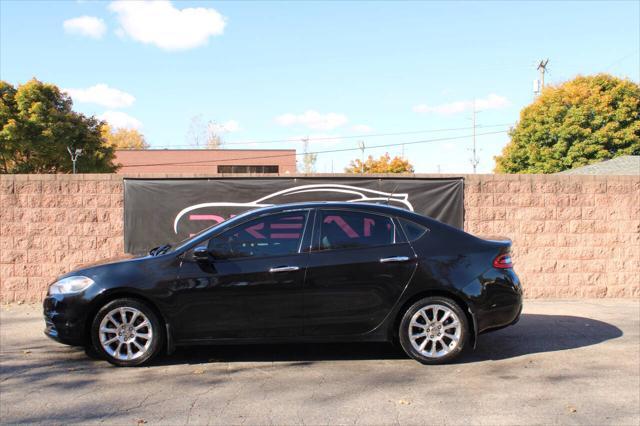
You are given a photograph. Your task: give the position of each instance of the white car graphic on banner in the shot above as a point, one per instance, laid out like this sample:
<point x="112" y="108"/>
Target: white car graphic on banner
<point x="325" y="192"/>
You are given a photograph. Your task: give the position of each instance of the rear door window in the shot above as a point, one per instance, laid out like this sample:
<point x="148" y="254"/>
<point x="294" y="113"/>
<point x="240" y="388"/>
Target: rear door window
<point x="341" y="229"/>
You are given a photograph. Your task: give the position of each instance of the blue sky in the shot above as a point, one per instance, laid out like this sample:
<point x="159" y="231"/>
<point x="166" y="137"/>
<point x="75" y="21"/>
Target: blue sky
<point x="285" y="70"/>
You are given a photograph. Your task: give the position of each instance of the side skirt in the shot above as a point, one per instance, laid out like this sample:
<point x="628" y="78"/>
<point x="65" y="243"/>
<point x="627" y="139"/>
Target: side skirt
<point x="272" y="340"/>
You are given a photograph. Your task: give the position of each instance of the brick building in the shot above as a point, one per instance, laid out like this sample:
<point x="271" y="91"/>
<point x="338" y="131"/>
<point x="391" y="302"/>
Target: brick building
<point x="210" y="161"/>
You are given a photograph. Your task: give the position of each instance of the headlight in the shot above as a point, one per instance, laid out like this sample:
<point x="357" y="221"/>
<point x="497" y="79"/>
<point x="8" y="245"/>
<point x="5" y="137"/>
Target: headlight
<point x="70" y="285"/>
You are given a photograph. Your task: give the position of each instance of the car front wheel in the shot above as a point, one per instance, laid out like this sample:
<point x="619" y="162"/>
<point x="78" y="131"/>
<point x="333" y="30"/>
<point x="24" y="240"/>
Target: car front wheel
<point x="434" y="330"/>
<point x="126" y="332"/>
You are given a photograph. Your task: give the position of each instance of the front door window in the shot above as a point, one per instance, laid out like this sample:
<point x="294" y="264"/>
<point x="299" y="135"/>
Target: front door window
<point x="271" y="235"/>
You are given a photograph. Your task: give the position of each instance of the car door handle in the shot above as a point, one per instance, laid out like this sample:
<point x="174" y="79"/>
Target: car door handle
<point x="394" y="259"/>
<point x="284" y="269"/>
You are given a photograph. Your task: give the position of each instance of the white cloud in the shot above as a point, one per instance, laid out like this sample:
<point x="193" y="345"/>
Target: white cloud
<point x="361" y="128"/>
<point x="162" y="24"/>
<point x="89" y="26"/>
<point x="492" y="101"/>
<point x="101" y="94"/>
<point x="313" y="120"/>
<point x="230" y="126"/>
<point x="120" y="120"/>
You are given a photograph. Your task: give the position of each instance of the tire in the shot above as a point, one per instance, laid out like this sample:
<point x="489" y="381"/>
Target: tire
<point x="132" y="342"/>
<point x="439" y="345"/>
<point x="91" y="352"/>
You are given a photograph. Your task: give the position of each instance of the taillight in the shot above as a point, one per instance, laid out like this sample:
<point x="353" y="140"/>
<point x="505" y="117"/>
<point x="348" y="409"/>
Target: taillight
<point x="503" y="261"/>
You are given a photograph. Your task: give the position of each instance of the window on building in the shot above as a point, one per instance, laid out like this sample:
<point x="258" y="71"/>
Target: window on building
<point x="248" y="169"/>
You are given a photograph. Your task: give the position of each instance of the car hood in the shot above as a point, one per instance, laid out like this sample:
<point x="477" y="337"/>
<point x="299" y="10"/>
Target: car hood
<point x="115" y="259"/>
<point x="92" y="268"/>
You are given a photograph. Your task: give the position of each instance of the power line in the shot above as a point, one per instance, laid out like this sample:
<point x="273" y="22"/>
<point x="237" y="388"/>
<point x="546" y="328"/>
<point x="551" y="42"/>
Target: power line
<point x="316" y="152"/>
<point x="327" y="138"/>
<point x="617" y="61"/>
<point x="370" y="135"/>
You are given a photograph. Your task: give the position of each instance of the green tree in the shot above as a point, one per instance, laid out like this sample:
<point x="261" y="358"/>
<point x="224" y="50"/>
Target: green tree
<point x="385" y="164"/>
<point x="585" y="120"/>
<point x="37" y="124"/>
<point x="123" y="138"/>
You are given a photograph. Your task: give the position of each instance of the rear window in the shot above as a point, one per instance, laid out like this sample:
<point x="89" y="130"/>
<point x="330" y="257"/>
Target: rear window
<point x="413" y="230"/>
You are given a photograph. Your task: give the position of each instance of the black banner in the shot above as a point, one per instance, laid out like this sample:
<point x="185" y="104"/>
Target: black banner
<point x="159" y="211"/>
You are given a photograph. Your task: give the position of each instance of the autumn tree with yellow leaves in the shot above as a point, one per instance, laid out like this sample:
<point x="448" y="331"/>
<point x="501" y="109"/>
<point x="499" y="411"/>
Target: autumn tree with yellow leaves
<point x="123" y="138"/>
<point x="385" y="164"/>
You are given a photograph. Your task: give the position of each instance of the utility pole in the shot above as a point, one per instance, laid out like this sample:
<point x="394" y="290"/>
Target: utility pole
<point x="305" y="158"/>
<point x="542" y="68"/>
<point x="474" y="158"/>
<point x="361" y="146"/>
<point x="74" y="156"/>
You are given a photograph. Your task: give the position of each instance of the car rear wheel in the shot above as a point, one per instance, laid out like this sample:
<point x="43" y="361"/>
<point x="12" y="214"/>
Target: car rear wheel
<point x="434" y="330"/>
<point x="127" y="333"/>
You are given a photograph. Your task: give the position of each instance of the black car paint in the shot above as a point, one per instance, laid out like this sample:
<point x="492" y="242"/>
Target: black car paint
<point x="335" y="296"/>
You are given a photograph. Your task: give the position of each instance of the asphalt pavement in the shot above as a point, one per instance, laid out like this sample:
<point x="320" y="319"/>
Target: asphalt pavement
<point x="565" y="362"/>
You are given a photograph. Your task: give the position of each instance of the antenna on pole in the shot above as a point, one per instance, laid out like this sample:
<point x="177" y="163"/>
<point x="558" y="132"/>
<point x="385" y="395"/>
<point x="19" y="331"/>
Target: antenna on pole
<point x="361" y="146"/>
<point x="542" y="69"/>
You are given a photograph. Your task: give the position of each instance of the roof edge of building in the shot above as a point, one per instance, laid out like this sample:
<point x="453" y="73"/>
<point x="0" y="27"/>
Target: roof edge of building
<point x="200" y="150"/>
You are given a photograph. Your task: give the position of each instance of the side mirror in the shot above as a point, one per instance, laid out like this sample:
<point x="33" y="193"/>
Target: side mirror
<point x="201" y="254"/>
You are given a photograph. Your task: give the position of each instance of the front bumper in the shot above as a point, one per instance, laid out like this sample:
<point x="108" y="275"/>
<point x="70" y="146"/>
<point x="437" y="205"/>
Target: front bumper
<point x="65" y="319"/>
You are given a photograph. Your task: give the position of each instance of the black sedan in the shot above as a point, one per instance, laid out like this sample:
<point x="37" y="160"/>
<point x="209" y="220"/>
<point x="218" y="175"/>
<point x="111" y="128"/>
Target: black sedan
<point x="312" y="272"/>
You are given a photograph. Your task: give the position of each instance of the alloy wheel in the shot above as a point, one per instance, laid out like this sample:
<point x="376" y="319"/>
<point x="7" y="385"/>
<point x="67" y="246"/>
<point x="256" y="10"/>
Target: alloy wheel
<point x="125" y="333"/>
<point x="434" y="331"/>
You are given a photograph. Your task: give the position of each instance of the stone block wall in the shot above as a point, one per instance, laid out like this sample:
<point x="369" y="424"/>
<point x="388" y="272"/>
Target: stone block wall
<point x="573" y="236"/>
<point x="50" y="224"/>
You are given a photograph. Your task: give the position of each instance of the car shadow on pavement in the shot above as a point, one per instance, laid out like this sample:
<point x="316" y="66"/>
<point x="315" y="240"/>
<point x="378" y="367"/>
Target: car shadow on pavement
<point x="534" y="333"/>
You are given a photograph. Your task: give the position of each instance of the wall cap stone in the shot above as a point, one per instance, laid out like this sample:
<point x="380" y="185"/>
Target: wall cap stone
<point x="469" y="177"/>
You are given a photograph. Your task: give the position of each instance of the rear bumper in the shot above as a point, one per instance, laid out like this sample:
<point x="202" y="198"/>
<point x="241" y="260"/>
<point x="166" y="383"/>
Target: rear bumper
<point x="500" y="327"/>
<point x="64" y="321"/>
<point x="501" y="300"/>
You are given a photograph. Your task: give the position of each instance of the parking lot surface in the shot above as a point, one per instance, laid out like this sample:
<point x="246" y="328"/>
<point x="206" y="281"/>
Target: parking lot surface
<point x="565" y="362"/>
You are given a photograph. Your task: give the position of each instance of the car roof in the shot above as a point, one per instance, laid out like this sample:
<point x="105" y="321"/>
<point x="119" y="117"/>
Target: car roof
<point x="373" y="207"/>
